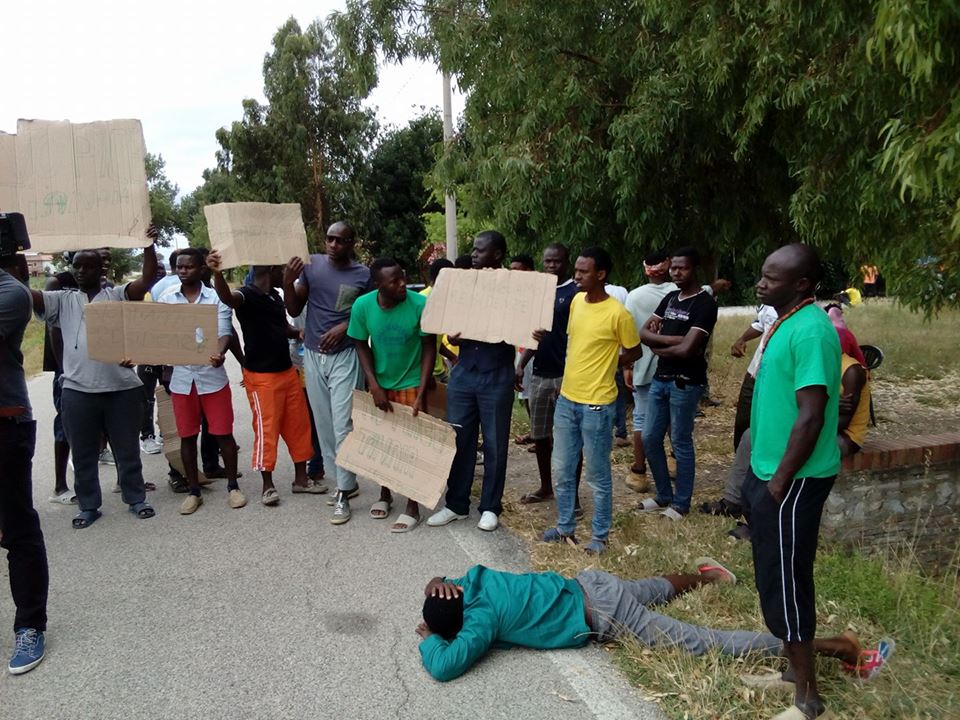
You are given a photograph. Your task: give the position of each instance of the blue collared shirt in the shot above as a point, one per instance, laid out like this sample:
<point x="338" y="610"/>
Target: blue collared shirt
<point x="207" y="378"/>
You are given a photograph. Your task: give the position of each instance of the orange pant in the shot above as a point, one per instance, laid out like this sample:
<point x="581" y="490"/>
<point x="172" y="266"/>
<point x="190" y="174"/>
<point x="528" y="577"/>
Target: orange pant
<point x="279" y="410"/>
<point x="407" y="396"/>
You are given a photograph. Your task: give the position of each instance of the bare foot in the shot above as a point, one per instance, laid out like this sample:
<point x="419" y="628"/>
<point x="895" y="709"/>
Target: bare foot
<point x="537" y="496"/>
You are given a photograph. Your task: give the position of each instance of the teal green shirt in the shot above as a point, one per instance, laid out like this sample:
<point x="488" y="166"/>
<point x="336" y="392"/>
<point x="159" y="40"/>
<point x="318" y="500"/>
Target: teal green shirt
<point x="803" y="352"/>
<point x="394" y="337"/>
<point x="535" y="610"/>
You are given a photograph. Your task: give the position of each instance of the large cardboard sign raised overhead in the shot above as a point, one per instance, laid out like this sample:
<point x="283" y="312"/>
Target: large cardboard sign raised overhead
<point x="410" y="455"/>
<point x="78" y="185"/>
<point x="491" y="305"/>
<point x="151" y="333"/>
<point x="253" y="233"/>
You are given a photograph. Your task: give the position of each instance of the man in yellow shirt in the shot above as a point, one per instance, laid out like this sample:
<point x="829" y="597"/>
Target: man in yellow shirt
<point x="598" y="327"/>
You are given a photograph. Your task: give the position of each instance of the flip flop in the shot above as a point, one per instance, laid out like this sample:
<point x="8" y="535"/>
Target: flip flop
<point x="871" y="662"/>
<point x="270" y="497"/>
<point x="142" y="510"/>
<point x="705" y="564"/>
<point x="85" y="518"/>
<point x="533" y="498"/>
<point x="408" y="521"/>
<point x="382" y="506"/>
<point x="523" y="439"/>
<point x="67" y="497"/>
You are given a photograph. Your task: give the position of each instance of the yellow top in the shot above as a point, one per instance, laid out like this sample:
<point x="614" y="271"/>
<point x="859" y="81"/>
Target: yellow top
<point x="596" y="332"/>
<point x="857" y="429"/>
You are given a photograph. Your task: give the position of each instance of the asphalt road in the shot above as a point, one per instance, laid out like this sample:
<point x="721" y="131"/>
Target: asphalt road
<point x="268" y="612"/>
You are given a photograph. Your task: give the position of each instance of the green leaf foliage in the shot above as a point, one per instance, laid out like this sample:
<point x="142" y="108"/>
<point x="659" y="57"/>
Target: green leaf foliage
<point x="731" y="126"/>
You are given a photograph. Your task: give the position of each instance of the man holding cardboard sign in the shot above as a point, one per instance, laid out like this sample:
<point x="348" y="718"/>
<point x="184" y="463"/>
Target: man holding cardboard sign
<point x="203" y="390"/>
<point x="480" y="397"/>
<point x="98" y="398"/>
<point x="330" y="284"/>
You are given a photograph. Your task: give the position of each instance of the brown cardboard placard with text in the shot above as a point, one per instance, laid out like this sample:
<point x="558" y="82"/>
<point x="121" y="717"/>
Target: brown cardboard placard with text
<point x="151" y="333"/>
<point x="491" y="305"/>
<point x="255" y="233"/>
<point x="410" y="455"/>
<point x="78" y="185"/>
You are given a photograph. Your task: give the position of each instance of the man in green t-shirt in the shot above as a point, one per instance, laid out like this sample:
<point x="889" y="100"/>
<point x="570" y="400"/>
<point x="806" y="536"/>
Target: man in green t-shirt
<point x="794" y="459"/>
<point x="396" y="356"/>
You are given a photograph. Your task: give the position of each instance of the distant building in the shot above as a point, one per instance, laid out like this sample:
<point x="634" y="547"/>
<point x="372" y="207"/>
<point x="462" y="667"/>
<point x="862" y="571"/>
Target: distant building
<point x="37" y="262"/>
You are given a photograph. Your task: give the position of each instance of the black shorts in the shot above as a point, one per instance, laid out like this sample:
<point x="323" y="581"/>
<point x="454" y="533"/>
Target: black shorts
<point x="784" y="539"/>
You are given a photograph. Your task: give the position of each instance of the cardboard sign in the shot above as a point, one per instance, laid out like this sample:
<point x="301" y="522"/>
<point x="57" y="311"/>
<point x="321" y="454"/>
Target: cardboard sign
<point x="253" y="233"/>
<point x="151" y="333"/>
<point x="491" y="305"/>
<point x="78" y="185"/>
<point x="410" y="455"/>
<point x="167" y="423"/>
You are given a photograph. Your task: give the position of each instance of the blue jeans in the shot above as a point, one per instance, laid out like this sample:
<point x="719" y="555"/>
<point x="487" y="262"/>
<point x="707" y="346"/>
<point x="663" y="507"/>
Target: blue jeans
<point x="587" y="427"/>
<point x="479" y="400"/>
<point x="676" y="407"/>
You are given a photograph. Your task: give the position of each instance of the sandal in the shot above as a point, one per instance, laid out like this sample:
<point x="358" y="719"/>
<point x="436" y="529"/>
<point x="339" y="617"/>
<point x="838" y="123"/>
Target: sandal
<point x="380" y="510"/>
<point x="535" y="497"/>
<point x="149" y="486"/>
<point x="553" y="535"/>
<point x="871" y="662"/>
<point x="706" y="564"/>
<point x="85" y="518"/>
<point x="67" y="497"/>
<point x="270" y="497"/>
<point x="523" y="439"/>
<point x="142" y="510"/>
<point x="405" y="523"/>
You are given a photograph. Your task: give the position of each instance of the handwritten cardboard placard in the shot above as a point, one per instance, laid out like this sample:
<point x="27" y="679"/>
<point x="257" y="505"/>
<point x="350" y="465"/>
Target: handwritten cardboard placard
<point x="78" y="185"/>
<point x="151" y="333"/>
<point x="410" y="455"/>
<point x="167" y="424"/>
<point x="254" y="233"/>
<point x="491" y="305"/>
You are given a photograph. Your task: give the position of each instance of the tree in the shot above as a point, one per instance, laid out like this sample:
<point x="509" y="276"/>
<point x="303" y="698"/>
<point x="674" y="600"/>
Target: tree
<point x="731" y="126"/>
<point x="392" y="197"/>
<point x="306" y="145"/>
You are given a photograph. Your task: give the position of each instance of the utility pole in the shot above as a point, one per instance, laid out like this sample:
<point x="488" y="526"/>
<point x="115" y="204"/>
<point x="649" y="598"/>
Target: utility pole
<point x="450" y="202"/>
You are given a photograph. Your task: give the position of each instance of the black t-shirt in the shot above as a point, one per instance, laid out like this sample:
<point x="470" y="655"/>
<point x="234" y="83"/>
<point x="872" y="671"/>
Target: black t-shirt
<point x="263" y="320"/>
<point x="67" y="282"/>
<point x="552" y="351"/>
<point x="680" y="317"/>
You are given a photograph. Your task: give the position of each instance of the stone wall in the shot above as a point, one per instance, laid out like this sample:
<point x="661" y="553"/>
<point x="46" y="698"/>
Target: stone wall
<point x="896" y="492"/>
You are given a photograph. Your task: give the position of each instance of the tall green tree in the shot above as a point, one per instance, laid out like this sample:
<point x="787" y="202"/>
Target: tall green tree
<point x="731" y="126"/>
<point x="307" y="143"/>
<point x="391" y="195"/>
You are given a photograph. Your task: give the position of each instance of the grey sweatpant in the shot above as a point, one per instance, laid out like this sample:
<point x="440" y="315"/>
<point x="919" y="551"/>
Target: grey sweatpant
<point x="622" y="607"/>
<point x="733" y="492"/>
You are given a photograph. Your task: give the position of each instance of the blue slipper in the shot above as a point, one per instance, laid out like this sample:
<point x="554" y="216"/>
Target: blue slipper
<point x="555" y="536"/>
<point x="142" y="510"/>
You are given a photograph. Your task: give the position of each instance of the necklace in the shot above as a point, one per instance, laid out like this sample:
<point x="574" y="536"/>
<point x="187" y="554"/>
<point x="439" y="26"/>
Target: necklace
<point x="780" y="321"/>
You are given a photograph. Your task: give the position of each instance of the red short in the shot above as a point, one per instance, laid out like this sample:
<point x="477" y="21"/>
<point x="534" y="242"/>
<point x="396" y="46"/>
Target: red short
<point x="216" y="407"/>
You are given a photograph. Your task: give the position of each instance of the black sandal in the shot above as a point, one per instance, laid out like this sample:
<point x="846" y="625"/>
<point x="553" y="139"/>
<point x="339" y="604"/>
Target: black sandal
<point x="85" y="518"/>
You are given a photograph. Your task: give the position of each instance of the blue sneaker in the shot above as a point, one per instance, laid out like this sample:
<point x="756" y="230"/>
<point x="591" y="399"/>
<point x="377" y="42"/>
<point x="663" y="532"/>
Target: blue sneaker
<point x="28" y="651"/>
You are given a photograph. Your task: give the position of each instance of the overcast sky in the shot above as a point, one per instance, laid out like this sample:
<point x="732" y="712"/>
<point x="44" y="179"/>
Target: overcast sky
<point x="181" y="67"/>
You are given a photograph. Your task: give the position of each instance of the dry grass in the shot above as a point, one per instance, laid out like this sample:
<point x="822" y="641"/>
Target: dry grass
<point x="875" y="597"/>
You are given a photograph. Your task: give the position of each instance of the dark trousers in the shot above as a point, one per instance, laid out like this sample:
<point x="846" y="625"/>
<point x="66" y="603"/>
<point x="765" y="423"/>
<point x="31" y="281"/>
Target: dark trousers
<point x="149" y="375"/>
<point x="118" y="414"/>
<point x="479" y="400"/>
<point x="20" y="525"/>
<point x="314" y="464"/>
<point x="209" y="448"/>
<point x="744" y="403"/>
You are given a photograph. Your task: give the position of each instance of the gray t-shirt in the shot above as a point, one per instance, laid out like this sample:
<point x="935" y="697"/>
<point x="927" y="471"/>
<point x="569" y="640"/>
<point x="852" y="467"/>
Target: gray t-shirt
<point x="15" y="305"/>
<point x="65" y="309"/>
<point x="331" y="294"/>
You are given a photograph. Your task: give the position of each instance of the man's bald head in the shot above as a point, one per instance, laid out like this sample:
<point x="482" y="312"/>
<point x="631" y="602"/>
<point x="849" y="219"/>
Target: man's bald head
<point x="789" y="274"/>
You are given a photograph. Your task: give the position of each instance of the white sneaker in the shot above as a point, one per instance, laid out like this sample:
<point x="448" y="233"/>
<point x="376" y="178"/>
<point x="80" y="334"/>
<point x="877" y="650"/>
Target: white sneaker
<point x="444" y="517"/>
<point x="488" y="521"/>
<point x="151" y="446"/>
<point x="106" y="457"/>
